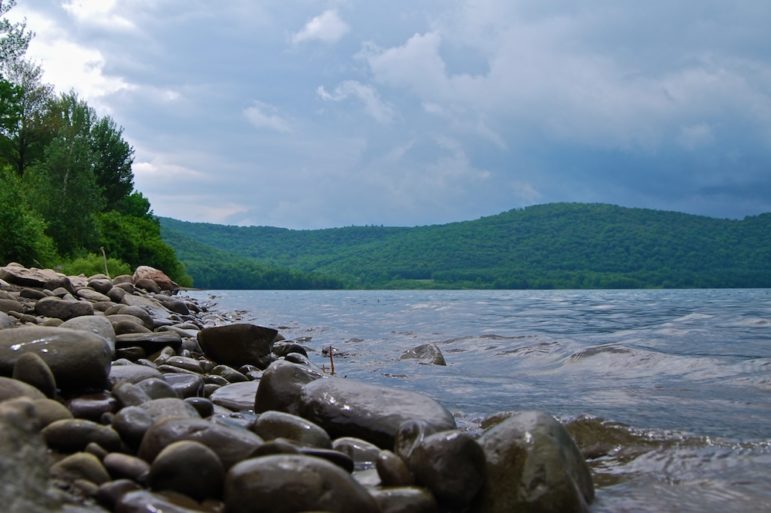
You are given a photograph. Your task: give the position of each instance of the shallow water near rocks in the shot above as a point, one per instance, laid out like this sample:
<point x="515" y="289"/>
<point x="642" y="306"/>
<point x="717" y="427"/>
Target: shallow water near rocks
<point x="669" y="391"/>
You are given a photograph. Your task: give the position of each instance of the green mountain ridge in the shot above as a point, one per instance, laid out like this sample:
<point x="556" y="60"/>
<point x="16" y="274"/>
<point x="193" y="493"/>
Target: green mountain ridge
<point x="561" y="245"/>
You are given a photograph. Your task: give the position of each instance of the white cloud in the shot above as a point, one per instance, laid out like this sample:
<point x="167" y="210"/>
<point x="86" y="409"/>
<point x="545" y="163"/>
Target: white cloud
<point x="99" y="13"/>
<point x="327" y="27"/>
<point x="381" y="111"/>
<point x="263" y="115"/>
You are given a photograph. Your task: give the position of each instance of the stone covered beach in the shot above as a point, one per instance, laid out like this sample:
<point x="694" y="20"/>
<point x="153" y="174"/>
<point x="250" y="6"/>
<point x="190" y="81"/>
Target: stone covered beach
<point x="122" y="395"/>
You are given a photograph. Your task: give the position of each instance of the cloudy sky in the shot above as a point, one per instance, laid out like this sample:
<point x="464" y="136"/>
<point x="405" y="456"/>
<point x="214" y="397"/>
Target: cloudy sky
<point x="320" y="113"/>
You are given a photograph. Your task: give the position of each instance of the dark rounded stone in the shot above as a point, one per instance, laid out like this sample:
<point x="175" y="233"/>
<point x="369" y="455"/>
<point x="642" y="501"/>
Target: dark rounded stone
<point x="33" y="370"/>
<point x="96" y="324"/>
<point x="101" y="285"/>
<point x="346" y="407"/>
<point x="80" y="465"/>
<point x="122" y="466"/>
<point x="189" y="468"/>
<point x="276" y="446"/>
<point x="293" y="483"/>
<point x="132" y="422"/>
<point x="93" y="406"/>
<point x="185" y="385"/>
<point x="275" y="424"/>
<point x="63" y="309"/>
<point x="110" y="492"/>
<point x="157" y="388"/>
<point x="72" y="435"/>
<point x="230" y="444"/>
<point x="238" y="344"/>
<point x="452" y="465"/>
<point x="364" y="454"/>
<point x="229" y="373"/>
<point x="404" y="500"/>
<point x="340" y="459"/>
<point x="132" y="373"/>
<point x="49" y="411"/>
<point x="284" y="348"/>
<point x="129" y="394"/>
<point x="78" y="359"/>
<point x="281" y="386"/>
<point x="393" y="470"/>
<point x="203" y="406"/>
<point x="533" y="465"/>
<point x="142" y="501"/>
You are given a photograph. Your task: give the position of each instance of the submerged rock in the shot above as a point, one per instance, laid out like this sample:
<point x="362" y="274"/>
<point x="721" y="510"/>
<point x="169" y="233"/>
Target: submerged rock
<point x="428" y="354"/>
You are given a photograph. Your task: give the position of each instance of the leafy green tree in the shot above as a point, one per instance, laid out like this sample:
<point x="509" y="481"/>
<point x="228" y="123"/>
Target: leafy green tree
<point x="22" y="231"/>
<point x="14" y="37"/>
<point x="25" y="133"/>
<point x="113" y="158"/>
<point x="62" y="186"/>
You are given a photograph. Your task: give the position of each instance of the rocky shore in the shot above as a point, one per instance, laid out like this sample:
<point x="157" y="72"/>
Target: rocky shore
<point x="122" y="395"/>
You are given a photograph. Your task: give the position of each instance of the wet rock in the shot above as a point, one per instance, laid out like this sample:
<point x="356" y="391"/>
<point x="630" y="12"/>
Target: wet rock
<point x="143" y="501"/>
<point x="340" y="459"/>
<point x="429" y="354"/>
<point x="110" y="492"/>
<point x="349" y="408"/>
<point x="131" y="373"/>
<point x="93" y="406"/>
<point x="116" y="294"/>
<point x="150" y="342"/>
<point x="173" y="304"/>
<point x="33" y="370"/>
<point x="182" y="362"/>
<point x="229" y="373"/>
<point x="93" y="323"/>
<point x="393" y="470"/>
<point x="126" y="327"/>
<point x="34" y="294"/>
<point x="72" y="435"/>
<point x="189" y="468"/>
<point x="533" y="465"/>
<point x="137" y="313"/>
<point x="364" y="454"/>
<point x="229" y="443"/>
<point x="63" y="309"/>
<point x="284" y="348"/>
<point x="404" y="500"/>
<point x="238" y="344"/>
<point x="281" y="386"/>
<point x="452" y="465"/>
<point x="125" y="466"/>
<point x="78" y="359"/>
<point x="157" y="388"/>
<point x="203" y="406"/>
<point x="293" y="483"/>
<point x="132" y="422"/>
<point x="275" y="424"/>
<point x="80" y="465"/>
<point x="129" y="394"/>
<point x="236" y="397"/>
<point x="185" y="385"/>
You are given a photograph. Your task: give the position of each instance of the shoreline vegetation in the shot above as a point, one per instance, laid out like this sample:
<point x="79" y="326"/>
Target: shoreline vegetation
<point x="552" y="246"/>
<point x="122" y="395"/>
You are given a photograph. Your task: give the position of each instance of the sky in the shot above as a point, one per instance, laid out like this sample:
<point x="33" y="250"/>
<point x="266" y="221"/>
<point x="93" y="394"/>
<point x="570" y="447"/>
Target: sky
<point x="325" y="113"/>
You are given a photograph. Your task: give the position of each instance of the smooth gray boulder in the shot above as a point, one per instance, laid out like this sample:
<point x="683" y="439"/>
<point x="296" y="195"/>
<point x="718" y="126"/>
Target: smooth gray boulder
<point x="37" y="278"/>
<point x="189" y="468"/>
<point x="236" y="396"/>
<point x="62" y="308"/>
<point x="346" y="407"/>
<point x="78" y="359"/>
<point x="238" y="344"/>
<point x="275" y="424"/>
<point x="533" y="465"/>
<point x="281" y="385"/>
<point x="231" y="444"/>
<point x="93" y="323"/>
<point x="292" y="483"/>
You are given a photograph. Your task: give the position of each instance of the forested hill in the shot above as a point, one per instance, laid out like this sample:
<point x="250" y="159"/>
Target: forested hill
<point x="544" y="246"/>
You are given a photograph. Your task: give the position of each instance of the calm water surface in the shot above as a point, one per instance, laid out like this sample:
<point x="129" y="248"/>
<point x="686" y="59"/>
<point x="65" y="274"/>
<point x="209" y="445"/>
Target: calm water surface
<point x="676" y="383"/>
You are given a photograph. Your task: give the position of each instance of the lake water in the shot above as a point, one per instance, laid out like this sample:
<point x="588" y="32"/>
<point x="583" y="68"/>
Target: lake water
<point x="674" y="387"/>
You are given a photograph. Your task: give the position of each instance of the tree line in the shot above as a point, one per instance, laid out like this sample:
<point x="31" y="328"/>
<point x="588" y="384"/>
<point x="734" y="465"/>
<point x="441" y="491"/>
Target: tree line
<point x="566" y="245"/>
<point x="67" y="193"/>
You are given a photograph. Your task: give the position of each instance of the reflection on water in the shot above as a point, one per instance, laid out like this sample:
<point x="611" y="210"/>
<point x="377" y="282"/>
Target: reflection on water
<point x="690" y="371"/>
